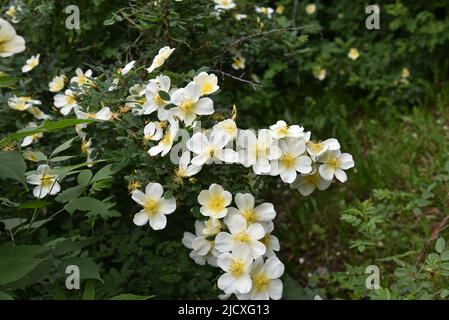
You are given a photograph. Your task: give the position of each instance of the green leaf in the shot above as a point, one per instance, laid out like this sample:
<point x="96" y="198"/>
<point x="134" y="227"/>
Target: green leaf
<point x="164" y="95"/>
<point x="8" y="251"/>
<point x="62" y="147"/>
<point x="7" y="81"/>
<point x="12" y="165"/>
<point x="88" y="268"/>
<point x="46" y="126"/>
<point x="68" y="246"/>
<point x="130" y="296"/>
<point x="445" y="256"/>
<point x="39" y="156"/>
<point x="31" y="226"/>
<point x="444" y="293"/>
<point x="34" y="204"/>
<point x="446" y="166"/>
<point x="89" y="290"/>
<point x="12" y="223"/>
<point x="103" y="173"/>
<point x="61" y="158"/>
<point x="94" y="206"/>
<point x="5" y="296"/>
<point x="17" y="261"/>
<point x="70" y="194"/>
<point x="84" y="177"/>
<point x="440" y="245"/>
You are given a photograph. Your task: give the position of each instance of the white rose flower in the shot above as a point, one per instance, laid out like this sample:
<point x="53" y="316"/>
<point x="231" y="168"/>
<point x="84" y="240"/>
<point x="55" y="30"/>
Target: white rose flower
<point x="66" y="102"/>
<point x="317" y="148"/>
<point x="163" y="54"/>
<point x="229" y="127"/>
<point x="208" y="83"/>
<point x="31" y="63"/>
<point x="81" y="78"/>
<point x="236" y="266"/>
<point x="307" y="183"/>
<point x="214" y="202"/>
<point x="270" y="241"/>
<point x="291" y="160"/>
<point x="257" y="151"/>
<point x="45" y="183"/>
<point x="224" y="4"/>
<point x="10" y="42"/>
<point x="282" y="130"/>
<point x="246" y="208"/>
<point x="155" y="207"/>
<point x="22" y="103"/>
<point x="265" y="280"/>
<point x="153" y="100"/>
<point x="38" y="113"/>
<point x="189" y="104"/>
<point x="32" y="138"/>
<point x="153" y="131"/>
<point x="209" y="149"/>
<point x="166" y="143"/>
<point x="57" y="83"/>
<point x="104" y="114"/>
<point x="241" y="233"/>
<point x="185" y="168"/>
<point x="333" y="164"/>
<point x="127" y="68"/>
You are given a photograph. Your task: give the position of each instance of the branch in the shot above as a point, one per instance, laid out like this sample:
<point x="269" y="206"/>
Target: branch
<point x="254" y="85"/>
<point x="295" y="9"/>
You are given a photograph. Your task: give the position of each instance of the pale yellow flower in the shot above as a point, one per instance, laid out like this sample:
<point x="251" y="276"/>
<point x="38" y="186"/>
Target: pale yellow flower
<point x="353" y="54"/>
<point x="310" y="8"/>
<point x="405" y="73"/>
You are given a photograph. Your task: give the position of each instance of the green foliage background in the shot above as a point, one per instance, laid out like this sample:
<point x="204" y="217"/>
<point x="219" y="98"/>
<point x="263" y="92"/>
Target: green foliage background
<point x="390" y="213"/>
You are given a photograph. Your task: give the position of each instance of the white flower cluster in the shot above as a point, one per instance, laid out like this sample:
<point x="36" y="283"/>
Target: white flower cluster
<point x="67" y="102"/>
<point x="282" y="150"/>
<point x="239" y="241"/>
<point x="236" y="239"/>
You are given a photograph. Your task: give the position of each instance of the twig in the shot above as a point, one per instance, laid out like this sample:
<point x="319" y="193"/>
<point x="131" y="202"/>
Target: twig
<point x="441" y="226"/>
<point x="295" y="9"/>
<point x="254" y="85"/>
<point x="264" y="33"/>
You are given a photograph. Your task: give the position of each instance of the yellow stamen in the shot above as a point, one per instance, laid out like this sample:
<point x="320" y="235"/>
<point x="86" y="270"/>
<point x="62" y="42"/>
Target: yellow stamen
<point x="133" y="185"/>
<point x="260" y="282"/>
<point x="47" y="180"/>
<point x="334" y="162"/>
<point x="216" y="203"/>
<point x="242" y="237"/>
<point x="237" y="268"/>
<point x="70" y="99"/>
<point x="151" y="206"/>
<point x="206" y="88"/>
<point x="288" y="160"/>
<point x="315" y="147"/>
<point x="249" y="215"/>
<point x="282" y="131"/>
<point x="158" y="100"/>
<point x="187" y="106"/>
<point x="313" y="179"/>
